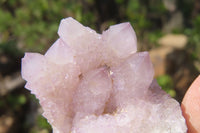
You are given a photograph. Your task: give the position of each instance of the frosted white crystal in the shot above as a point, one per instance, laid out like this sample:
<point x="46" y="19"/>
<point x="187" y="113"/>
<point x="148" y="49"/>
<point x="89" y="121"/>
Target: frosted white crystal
<point x="92" y="83"/>
<point x="59" y="53"/>
<point x="131" y="79"/>
<point x="142" y="116"/>
<point x="84" y="41"/>
<point x="30" y="66"/>
<point x="119" y="42"/>
<point x="94" y="86"/>
<point x="48" y="80"/>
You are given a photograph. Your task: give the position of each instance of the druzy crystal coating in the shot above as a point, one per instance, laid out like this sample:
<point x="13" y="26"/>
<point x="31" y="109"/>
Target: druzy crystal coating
<point x="98" y="83"/>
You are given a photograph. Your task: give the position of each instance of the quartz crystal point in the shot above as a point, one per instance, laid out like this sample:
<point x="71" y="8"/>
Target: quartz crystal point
<point x="97" y="83"/>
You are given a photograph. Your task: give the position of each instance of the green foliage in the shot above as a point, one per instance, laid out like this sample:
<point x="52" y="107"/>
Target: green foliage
<point x="16" y="101"/>
<point x="10" y="48"/>
<point x="146" y="18"/>
<point x="194" y="38"/>
<point x="2" y="103"/>
<point x="5" y="24"/>
<point x="166" y="82"/>
<point x="137" y="14"/>
<point x="34" y="24"/>
<point x="42" y="126"/>
<point x="154" y="36"/>
<point x="42" y="122"/>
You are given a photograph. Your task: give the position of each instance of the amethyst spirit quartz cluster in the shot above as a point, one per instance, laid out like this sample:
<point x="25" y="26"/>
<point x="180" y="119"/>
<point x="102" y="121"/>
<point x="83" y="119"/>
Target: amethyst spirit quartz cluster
<point x="98" y="83"/>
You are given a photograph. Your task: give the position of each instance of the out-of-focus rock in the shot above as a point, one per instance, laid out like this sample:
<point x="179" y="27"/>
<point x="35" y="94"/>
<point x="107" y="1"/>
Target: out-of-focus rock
<point x="6" y="122"/>
<point x="182" y="73"/>
<point x="175" y="22"/>
<point x="170" y="5"/>
<point x="43" y="131"/>
<point x="10" y="83"/>
<point x="197" y="65"/>
<point x="183" y="76"/>
<point x="4" y="59"/>
<point x="158" y="57"/>
<point x="178" y="41"/>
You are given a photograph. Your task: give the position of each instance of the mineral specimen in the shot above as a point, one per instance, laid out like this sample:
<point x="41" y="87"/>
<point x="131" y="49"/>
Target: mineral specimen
<point x="97" y="83"/>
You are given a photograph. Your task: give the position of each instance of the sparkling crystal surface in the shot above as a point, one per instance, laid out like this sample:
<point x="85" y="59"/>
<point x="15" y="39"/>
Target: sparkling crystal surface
<point x="97" y="83"/>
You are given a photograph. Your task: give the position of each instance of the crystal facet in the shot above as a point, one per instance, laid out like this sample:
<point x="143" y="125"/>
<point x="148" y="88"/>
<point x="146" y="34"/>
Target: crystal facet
<point x="92" y="83"/>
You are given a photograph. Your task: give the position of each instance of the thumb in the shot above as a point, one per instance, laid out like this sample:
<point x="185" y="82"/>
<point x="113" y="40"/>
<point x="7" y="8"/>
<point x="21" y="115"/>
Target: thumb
<point x="191" y="107"/>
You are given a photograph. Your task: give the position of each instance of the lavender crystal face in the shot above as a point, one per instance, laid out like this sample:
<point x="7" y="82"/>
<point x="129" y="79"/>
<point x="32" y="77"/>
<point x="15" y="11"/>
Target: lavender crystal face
<point x="97" y="83"/>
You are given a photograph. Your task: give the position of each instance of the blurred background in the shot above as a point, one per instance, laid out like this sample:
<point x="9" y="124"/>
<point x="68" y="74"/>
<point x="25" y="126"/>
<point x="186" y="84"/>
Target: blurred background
<point x="168" y="29"/>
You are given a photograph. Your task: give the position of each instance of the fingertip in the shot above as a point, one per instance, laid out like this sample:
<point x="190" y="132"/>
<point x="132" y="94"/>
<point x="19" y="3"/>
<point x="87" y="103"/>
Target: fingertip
<point x="191" y="107"/>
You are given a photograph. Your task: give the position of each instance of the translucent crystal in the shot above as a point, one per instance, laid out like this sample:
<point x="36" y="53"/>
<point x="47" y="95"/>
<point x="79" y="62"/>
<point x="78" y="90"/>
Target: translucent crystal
<point x="92" y="83"/>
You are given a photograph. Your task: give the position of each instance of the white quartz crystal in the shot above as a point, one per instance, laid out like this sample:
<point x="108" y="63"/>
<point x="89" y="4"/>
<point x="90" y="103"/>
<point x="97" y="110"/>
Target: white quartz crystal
<point x="92" y="83"/>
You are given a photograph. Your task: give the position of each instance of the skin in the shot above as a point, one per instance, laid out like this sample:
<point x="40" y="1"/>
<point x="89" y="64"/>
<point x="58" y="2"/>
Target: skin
<point x="191" y="107"/>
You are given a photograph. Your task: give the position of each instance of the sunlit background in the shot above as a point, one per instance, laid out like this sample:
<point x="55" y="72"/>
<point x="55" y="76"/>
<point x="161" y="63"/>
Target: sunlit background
<point x="168" y="29"/>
